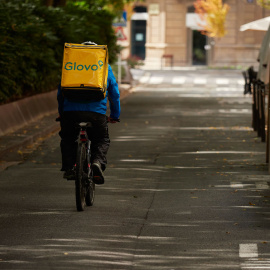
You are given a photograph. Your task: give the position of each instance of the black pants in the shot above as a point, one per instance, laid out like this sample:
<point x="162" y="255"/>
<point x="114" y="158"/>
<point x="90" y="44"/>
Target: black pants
<point x="98" y="134"/>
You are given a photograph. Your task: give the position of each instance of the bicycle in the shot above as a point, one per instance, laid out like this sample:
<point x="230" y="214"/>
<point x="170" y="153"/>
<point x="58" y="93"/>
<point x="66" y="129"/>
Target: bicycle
<point x="84" y="185"/>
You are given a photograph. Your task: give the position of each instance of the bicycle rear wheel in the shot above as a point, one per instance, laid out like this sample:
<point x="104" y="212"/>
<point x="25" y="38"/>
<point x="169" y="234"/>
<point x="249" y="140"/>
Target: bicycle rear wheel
<point x="80" y="188"/>
<point x="90" y="193"/>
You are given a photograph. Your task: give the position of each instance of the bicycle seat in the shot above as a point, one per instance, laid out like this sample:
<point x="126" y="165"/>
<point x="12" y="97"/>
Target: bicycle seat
<point x="85" y="124"/>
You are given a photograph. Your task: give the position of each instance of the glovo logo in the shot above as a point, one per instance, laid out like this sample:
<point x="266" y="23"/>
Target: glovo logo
<point x="74" y="66"/>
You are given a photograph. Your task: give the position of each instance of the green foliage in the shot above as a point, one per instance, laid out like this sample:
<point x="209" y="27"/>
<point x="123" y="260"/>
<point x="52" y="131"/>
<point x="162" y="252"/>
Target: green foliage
<point x="116" y="6"/>
<point x="115" y="71"/>
<point x="32" y="37"/>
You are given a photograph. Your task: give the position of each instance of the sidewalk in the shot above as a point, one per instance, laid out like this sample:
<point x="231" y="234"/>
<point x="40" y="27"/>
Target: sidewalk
<point x="15" y="144"/>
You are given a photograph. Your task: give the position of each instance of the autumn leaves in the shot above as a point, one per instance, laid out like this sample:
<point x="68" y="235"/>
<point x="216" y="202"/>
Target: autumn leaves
<point x="214" y="12"/>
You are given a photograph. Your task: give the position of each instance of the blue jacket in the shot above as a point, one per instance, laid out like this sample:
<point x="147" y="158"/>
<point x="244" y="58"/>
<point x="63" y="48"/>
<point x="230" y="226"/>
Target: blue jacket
<point x="94" y="106"/>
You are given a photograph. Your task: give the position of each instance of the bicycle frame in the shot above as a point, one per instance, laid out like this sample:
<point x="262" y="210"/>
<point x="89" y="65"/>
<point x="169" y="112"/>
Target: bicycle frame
<point x="83" y="138"/>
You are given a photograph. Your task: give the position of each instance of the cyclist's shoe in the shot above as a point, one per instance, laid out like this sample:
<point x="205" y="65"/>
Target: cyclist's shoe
<point x="69" y="175"/>
<point x="98" y="177"/>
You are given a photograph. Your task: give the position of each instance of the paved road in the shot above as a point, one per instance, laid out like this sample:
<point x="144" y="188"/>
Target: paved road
<point x="187" y="187"/>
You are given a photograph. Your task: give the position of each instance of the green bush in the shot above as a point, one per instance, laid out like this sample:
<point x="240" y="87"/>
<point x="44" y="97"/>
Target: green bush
<point x="32" y="38"/>
<point x="115" y="71"/>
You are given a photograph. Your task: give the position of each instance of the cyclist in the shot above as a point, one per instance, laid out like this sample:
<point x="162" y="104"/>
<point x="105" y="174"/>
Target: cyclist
<point x="71" y="112"/>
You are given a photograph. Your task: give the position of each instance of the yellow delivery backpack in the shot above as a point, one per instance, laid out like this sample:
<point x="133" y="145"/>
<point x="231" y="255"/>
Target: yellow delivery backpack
<point x="84" y="72"/>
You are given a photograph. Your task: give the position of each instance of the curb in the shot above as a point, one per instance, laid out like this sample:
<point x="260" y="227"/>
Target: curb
<point x="18" y="114"/>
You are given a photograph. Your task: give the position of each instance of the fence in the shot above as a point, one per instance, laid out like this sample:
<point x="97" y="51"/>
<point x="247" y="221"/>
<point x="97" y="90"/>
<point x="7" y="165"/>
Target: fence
<point x="260" y="106"/>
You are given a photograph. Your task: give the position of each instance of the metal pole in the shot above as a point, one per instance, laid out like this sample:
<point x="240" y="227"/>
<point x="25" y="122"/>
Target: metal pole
<point x="119" y="68"/>
<point x="268" y="133"/>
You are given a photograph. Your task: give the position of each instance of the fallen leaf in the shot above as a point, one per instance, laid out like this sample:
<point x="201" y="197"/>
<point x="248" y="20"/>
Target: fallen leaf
<point x="169" y="166"/>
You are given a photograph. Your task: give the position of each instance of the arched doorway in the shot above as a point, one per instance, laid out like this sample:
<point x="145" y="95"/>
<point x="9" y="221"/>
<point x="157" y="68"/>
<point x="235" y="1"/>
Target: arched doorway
<point x="197" y="42"/>
<point x="138" y="32"/>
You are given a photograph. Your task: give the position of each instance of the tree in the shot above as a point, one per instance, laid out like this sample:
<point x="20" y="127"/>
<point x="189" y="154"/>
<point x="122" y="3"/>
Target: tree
<point x="264" y="3"/>
<point x="214" y="12"/>
<point x="113" y="5"/>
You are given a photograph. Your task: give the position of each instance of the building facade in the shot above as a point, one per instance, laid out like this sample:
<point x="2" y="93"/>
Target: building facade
<point x="167" y="32"/>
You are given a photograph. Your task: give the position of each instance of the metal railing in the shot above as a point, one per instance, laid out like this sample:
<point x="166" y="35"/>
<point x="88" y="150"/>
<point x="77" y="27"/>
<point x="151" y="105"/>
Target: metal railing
<point x="260" y="105"/>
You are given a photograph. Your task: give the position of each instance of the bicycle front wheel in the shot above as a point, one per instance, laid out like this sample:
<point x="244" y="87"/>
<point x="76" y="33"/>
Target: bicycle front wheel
<point x="80" y="189"/>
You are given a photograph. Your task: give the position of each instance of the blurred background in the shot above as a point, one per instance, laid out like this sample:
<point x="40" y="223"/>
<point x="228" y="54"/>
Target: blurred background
<point x="149" y="34"/>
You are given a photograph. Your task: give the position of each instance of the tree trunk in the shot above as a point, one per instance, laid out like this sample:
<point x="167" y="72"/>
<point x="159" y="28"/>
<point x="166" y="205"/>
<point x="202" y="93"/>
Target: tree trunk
<point x="48" y="3"/>
<point x="59" y="3"/>
<point x="55" y="3"/>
